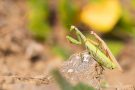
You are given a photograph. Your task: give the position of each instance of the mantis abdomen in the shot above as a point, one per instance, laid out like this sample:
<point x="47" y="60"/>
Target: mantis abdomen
<point x="99" y="56"/>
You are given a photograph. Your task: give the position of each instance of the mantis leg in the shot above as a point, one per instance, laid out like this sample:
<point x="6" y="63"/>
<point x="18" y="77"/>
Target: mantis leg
<point x="93" y="42"/>
<point x="103" y="45"/>
<point x="74" y="41"/>
<point x="80" y="37"/>
<point x="77" y="41"/>
<point x="106" y="49"/>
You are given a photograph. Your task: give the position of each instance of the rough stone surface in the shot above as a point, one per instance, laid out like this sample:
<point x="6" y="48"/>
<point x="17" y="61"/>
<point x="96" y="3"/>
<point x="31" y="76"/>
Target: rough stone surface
<point x="82" y="68"/>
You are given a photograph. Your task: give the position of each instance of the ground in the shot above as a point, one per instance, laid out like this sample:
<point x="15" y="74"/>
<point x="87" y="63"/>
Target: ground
<point x="25" y="63"/>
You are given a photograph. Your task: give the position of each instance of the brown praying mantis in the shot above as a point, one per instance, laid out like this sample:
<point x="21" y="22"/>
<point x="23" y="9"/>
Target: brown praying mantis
<point x="101" y="54"/>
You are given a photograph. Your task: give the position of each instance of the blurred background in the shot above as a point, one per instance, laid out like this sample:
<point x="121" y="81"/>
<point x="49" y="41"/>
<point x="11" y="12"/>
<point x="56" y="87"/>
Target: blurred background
<point x="32" y="33"/>
<point x="49" y="21"/>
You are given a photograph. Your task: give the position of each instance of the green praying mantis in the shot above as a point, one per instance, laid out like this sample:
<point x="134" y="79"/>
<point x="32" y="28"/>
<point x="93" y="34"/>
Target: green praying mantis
<point x="99" y="51"/>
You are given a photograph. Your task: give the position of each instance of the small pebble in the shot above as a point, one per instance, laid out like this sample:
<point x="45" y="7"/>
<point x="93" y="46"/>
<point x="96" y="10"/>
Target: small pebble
<point x="70" y="70"/>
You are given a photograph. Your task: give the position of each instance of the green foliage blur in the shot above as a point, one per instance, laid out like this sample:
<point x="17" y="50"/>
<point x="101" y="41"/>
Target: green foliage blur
<point x="68" y="13"/>
<point x="61" y="52"/>
<point x="38" y="15"/>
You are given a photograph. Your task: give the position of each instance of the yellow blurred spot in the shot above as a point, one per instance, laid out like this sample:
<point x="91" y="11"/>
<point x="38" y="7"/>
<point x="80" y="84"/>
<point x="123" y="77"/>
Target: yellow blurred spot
<point x="102" y="16"/>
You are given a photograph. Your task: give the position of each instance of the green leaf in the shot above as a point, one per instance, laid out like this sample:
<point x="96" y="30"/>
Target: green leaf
<point x="64" y="85"/>
<point x="82" y="86"/>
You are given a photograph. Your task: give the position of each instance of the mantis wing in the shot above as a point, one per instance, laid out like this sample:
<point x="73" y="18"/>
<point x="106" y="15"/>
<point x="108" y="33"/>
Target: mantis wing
<point x="106" y="50"/>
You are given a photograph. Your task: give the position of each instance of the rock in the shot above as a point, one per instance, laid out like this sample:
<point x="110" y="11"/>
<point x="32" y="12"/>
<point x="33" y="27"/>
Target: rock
<point x="82" y="68"/>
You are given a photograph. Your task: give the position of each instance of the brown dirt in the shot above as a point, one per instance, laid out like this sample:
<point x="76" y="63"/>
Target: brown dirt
<point x="127" y="61"/>
<point x="22" y="59"/>
<point x="25" y="63"/>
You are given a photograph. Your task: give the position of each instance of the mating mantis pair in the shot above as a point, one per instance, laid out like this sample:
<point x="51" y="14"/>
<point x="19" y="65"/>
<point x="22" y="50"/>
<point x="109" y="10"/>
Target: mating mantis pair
<point x="101" y="54"/>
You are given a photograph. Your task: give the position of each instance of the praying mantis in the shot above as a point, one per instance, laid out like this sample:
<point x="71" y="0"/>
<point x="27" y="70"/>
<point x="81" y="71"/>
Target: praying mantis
<point x="99" y="51"/>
